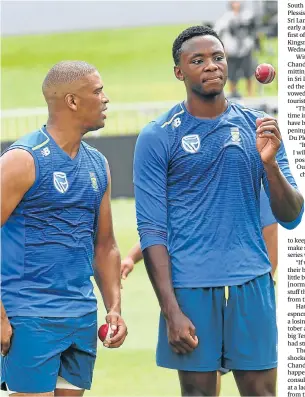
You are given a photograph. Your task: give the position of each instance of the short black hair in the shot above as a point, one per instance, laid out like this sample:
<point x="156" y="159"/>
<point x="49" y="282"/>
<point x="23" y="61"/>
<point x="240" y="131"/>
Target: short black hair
<point x="188" y="34"/>
<point x="66" y="72"/>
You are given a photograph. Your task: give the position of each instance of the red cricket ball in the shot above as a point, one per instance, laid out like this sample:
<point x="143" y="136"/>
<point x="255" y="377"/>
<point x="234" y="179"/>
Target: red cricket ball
<point x="265" y="73"/>
<point x="105" y="332"/>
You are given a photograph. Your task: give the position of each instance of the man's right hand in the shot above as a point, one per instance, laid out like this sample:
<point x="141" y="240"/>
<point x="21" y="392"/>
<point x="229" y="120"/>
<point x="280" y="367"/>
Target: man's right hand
<point x="6" y="335"/>
<point x="127" y="266"/>
<point x="181" y="333"/>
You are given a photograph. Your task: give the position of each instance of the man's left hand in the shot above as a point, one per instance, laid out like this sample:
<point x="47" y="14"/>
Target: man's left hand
<point x="268" y="139"/>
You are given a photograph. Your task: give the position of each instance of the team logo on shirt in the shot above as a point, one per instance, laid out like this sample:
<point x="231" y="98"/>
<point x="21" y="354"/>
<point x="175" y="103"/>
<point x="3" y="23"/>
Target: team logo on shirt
<point x="235" y="135"/>
<point x="191" y="143"/>
<point x="93" y="181"/>
<point x="60" y="181"/>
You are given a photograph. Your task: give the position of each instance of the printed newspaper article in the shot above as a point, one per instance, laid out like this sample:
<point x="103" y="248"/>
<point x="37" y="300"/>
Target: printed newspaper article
<point x="291" y="279"/>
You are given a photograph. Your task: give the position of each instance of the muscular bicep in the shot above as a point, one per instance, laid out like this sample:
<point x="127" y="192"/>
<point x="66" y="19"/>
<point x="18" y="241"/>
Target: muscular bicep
<point x="17" y="170"/>
<point x="105" y="234"/>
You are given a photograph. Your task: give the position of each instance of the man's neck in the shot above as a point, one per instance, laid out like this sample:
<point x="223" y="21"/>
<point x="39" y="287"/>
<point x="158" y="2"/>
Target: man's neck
<point x="67" y="137"/>
<point x="207" y="108"/>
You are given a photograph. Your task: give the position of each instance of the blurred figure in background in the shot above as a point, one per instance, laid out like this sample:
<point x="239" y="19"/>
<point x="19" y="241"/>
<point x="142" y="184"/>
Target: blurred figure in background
<point x="237" y="30"/>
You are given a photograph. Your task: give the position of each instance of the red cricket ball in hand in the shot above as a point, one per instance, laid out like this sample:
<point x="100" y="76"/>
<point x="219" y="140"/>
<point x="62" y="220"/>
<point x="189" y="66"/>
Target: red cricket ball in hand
<point x="105" y="332"/>
<point x="265" y="73"/>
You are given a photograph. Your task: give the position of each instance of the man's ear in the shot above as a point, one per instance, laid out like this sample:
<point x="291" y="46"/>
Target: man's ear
<point x="71" y="101"/>
<point x="178" y="73"/>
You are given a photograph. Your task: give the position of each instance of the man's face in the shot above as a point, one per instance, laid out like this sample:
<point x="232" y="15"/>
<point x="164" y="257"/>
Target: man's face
<point x="235" y="6"/>
<point x="92" y="102"/>
<point x="203" y="66"/>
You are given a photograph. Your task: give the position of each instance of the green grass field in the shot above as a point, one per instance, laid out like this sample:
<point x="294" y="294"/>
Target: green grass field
<point x="136" y="63"/>
<point x="136" y="66"/>
<point x="131" y="370"/>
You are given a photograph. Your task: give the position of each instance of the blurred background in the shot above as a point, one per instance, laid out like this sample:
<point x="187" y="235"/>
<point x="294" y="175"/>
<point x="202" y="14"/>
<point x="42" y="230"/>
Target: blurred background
<point x="130" y="43"/>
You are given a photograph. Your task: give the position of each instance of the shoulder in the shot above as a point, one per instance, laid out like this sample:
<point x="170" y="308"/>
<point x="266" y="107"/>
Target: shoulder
<point x="242" y="109"/>
<point x="172" y="118"/>
<point x="18" y="168"/>
<point x="20" y="160"/>
<point x="21" y="152"/>
<point x="100" y="164"/>
<point x="238" y="110"/>
<point x="162" y="127"/>
<point x="25" y="148"/>
<point x="94" y="153"/>
<point x="32" y="141"/>
<point x="17" y="158"/>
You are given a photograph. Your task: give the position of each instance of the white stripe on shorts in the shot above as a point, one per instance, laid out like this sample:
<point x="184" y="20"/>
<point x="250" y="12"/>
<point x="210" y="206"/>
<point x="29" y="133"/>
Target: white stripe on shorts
<point x="60" y="384"/>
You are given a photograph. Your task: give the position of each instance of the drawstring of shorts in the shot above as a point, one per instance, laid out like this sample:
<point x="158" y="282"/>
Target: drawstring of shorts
<point x="227" y="293"/>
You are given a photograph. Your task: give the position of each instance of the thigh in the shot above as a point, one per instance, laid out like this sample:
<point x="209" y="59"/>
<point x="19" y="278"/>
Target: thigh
<point x="32" y="394"/>
<point x="77" y="362"/>
<point x="68" y="393"/>
<point x="32" y="363"/>
<point x="256" y="383"/>
<point x="198" y="383"/>
<point x="250" y="331"/>
<point x="203" y="306"/>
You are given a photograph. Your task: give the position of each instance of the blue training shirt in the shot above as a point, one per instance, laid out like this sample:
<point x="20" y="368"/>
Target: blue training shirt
<point x="48" y="241"/>
<point x="266" y="215"/>
<point x="197" y="189"/>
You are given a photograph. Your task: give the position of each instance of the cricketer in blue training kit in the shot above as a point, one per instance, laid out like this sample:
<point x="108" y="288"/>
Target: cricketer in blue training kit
<point x="198" y="171"/>
<point x="270" y="233"/>
<point x="57" y="232"/>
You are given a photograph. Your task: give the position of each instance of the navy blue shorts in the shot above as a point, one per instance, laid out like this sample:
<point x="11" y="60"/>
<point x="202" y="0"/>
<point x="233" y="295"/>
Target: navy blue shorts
<point x="44" y="347"/>
<point x="237" y="332"/>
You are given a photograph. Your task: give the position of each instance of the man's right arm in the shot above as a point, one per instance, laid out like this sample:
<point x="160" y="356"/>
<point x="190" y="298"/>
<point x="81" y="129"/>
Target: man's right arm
<point x="269" y="229"/>
<point x="150" y="180"/>
<point x="270" y="234"/>
<point x="17" y="171"/>
<point x="134" y="256"/>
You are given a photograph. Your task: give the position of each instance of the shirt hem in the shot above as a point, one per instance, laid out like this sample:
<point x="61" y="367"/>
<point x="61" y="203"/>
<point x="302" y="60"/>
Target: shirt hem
<point x="26" y="313"/>
<point x="251" y="367"/>
<point x="218" y="283"/>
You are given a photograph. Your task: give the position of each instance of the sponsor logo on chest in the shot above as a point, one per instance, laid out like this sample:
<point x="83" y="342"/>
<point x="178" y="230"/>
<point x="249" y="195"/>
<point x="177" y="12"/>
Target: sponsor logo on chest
<point x="191" y="143"/>
<point x="60" y="182"/>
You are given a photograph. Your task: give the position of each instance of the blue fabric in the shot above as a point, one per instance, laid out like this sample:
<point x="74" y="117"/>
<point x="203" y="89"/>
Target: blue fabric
<point x="228" y="334"/>
<point x="197" y="190"/>
<point x="267" y="217"/>
<point x="43" y="348"/>
<point x="48" y="241"/>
